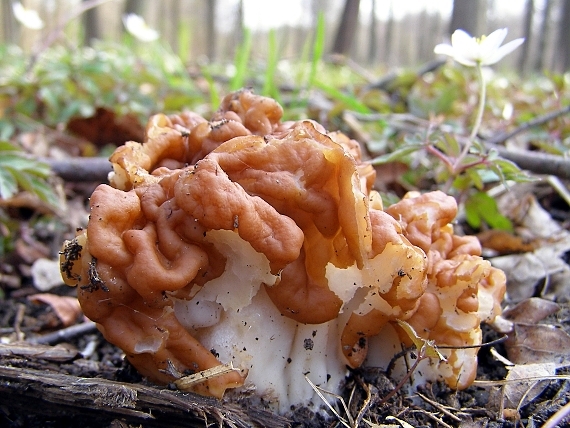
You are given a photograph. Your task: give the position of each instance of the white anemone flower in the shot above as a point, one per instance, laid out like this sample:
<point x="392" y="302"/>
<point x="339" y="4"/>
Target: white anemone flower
<point x="137" y="26"/>
<point x="27" y="17"/>
<point x="471" y="51"/>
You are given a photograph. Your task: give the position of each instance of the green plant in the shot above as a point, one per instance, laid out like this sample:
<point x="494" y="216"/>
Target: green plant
<point x="18" y="171"/>
<point x="464" y="166"/>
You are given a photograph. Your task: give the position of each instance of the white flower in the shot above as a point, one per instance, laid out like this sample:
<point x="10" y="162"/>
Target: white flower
<point x="471" y="51"/>
<point x="27" y="17"/>
<point x="138" y="28"/>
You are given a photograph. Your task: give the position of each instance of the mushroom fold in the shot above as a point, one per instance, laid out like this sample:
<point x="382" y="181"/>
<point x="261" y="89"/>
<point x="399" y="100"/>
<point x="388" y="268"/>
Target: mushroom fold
<point x="249" y="240"/>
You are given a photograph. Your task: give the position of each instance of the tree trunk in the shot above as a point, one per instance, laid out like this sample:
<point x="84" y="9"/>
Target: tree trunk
<point x="543" y="35"/>
<point x="239" y="25"/>
<point x="91" y="25"/>
<point x="389" y="36"/>
<point x="134" y="6"/>
<point x="470" y="16"/>
<point x="373" y="36"/>
<point x="211" y="29"/>
<point x="347" y="27"/>
<point x="528" y="14"/>
<point x="8" y="28"/>
<point x="563" y="63"/>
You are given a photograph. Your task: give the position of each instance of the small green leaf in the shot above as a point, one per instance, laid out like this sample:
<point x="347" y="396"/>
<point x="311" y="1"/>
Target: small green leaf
<point x="396" y="155"/>
<point x="481" y="207"/>
<point x="475" y="177"/>
<point x="8" y="184"/>
<point x="426" y="346"/>
<point x="350" y="101"/>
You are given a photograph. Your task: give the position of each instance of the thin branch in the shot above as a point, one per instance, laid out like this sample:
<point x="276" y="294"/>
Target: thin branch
<point x="537" y="121"/>
<point x="556" y="419"/>
<point x="65" y="334"/>
<point x="537" y="162"/>
<point x="76" y="169"/>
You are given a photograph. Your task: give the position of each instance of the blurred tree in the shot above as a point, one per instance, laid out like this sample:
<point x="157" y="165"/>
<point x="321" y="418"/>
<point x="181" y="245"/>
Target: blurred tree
<point x="528" y="14"/>
<point x="389" y="35"/>
<point x="134" y="6"/>
<point x="347" y="27"/>
<point x="90" y="25"/>
<point x="543" y="34"/>
<point x="469" y="15"/>
<point x="211" y="39"/>
<point x="563" y="43"/>
<point x="373" y="37"/>
<point x="8" y="24"/>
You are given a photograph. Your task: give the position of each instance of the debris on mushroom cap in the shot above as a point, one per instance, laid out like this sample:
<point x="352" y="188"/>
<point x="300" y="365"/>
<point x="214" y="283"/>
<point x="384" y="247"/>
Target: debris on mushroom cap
<point x="257" y="242"/>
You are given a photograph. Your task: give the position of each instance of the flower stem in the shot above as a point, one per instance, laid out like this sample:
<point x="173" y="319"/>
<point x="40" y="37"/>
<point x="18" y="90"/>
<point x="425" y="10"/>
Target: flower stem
<point x="478" y="119"/>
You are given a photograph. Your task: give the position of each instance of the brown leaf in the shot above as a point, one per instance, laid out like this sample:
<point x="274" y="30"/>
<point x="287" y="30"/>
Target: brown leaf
<point x="105" y="127"/>
<point x="503" y="242"/>
<point x="526" y="390"/>
<point x="66" y="308"/>
<point x="531" y="310"/>
<point x="538" y="343"/>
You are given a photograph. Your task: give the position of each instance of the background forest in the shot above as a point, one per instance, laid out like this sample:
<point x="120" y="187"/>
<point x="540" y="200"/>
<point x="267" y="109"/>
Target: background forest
<point x="373" y="33"/>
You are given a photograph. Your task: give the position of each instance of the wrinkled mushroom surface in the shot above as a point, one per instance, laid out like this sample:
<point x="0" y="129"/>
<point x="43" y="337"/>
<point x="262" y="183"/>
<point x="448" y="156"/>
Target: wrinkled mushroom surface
<point x="249" y="240"/>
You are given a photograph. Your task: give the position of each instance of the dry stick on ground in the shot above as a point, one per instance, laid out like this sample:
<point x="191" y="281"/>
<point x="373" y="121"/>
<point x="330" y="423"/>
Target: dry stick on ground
<point x="537" y="121"/>
<point x="34" y="384"/>
<point x="78" y="170"/>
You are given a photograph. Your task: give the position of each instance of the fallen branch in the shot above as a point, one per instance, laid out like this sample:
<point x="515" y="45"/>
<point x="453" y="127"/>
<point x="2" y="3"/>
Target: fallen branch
<point x="34" y="384"/>
<point x="537" y="121"/>
<point x="80" y="169"/>
<point x="537" y="162"/>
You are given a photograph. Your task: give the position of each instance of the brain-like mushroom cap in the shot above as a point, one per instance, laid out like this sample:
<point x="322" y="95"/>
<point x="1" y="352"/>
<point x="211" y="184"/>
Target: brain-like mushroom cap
<point x="205" y="220"/>
<point x="463" y="289"/>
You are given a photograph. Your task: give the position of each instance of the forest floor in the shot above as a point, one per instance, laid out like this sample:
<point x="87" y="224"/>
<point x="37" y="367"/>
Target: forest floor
<point x="49" y="350"/>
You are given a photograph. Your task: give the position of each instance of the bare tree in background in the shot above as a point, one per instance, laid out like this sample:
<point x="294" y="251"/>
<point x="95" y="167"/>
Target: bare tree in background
<point x="528" y="14"/>
<point x="469" y="15"/>
<point x="389" y="35"/>
<point x="347" y="27"/>
<point x="211" y="39"/>
<point x="563" y="43"/>
<point x="134" y="6"/>
<point x="239" y="25"/>
<point x="373" y="37"/>
<point x="543" y="34"/>
<point x="8" y="27"/>
<point x="91" y="25"/>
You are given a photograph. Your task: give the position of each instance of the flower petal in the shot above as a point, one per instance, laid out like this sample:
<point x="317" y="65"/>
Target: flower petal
<point x="489" y="45"/>
<point x="27" y="17"/>
<point x="501" y="52"/>
<point x="444" y="49"/>
<point x="469" y="62"/>
<point x="466" y="47"/>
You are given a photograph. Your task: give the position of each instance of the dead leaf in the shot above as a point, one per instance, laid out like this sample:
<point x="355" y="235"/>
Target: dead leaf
<point x="105" y="127"/>
<point x="66" y="308"/>
<point x="46" y="274"/>
<point x="538" y="343"/>
<point x="503" y="242"/>
<point x="518" y="393"/>
<point x="552" y="241"/>
<point x="531" y="310"/>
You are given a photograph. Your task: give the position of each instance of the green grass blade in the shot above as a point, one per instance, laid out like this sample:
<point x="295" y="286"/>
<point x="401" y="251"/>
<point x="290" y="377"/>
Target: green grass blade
<point x="269" y="87"/>
<point x="241" y="62"/>
<point x="318" y="49"/>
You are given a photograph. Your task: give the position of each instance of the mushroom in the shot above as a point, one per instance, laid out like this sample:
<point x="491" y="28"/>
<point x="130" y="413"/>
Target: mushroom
<point x="259" y="242"/>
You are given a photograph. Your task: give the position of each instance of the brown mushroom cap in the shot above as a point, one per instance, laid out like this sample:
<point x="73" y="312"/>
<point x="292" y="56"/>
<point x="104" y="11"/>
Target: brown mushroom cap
<point x="245" y="208"/>
<point x="463" y="290"/>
